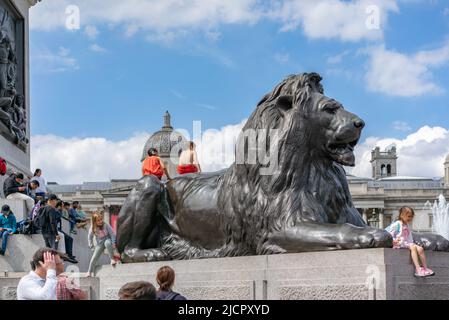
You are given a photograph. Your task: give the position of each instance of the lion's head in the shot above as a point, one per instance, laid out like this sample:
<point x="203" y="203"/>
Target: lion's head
<point x="308" y="120"/>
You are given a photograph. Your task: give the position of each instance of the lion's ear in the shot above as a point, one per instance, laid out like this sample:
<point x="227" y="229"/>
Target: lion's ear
<point x="285" y="102"/>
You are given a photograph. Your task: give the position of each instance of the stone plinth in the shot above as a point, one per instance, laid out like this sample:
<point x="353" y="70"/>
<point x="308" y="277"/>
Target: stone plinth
<point x="15" y="23"/>
<point x="373" y="274"/>
<point x="344" y="275"/>
<point x="8" y="286"/>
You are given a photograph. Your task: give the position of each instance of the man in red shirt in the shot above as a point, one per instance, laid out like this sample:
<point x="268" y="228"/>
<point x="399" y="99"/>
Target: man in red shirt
<point x="154" y="165"/>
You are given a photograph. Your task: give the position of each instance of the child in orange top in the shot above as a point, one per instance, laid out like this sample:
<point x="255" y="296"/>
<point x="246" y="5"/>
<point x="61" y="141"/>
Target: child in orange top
<point x="154" y="165"/>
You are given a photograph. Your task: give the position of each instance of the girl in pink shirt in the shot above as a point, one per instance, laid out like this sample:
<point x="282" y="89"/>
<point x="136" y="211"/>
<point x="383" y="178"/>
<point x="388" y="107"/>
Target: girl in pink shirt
<point x="403" y="239"/>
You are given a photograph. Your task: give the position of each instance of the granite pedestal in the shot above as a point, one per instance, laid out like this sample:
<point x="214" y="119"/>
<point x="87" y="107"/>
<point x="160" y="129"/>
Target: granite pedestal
<point x="372" y="274"/>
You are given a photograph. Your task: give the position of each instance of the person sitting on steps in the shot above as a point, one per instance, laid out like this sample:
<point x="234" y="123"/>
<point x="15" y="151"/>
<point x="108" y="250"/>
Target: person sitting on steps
<point x="8" y="226"/>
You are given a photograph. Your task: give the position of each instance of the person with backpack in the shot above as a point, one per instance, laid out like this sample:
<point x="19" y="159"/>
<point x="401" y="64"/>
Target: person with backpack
<point x="68" y="240"/>
<point x="166" y="279"/>
<point x="8" y="226"/>
<point x="47" y="221"/>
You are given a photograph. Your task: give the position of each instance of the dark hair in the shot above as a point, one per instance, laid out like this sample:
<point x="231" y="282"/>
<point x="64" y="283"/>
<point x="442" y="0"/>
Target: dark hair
<point x="59" y="204"/>
<point x="66" y="204"/>
<point x="152" y="152"/>
<point x="52" y="197"/>
<point x="75" y="203"/>
<point x="405" y="210"/>
<point x="19" y="176"/>
<point x="138" y="290"/>
<point x="35" y="182"/>
<point x="165" y="278"/>
<point x="36" y="172"/>
<point x="39" y="256"/>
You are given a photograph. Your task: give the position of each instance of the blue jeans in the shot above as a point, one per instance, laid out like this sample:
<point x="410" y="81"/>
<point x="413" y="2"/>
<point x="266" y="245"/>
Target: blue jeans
<point x="4" y="235"/>
<point x="72" y="224"/>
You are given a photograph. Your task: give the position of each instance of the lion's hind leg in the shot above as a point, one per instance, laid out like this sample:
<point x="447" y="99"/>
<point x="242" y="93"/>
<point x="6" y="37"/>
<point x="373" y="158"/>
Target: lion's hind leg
<point x="139" y="223"/>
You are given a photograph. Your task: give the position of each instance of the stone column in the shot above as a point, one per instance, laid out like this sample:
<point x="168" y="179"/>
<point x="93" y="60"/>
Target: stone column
<point x="106" y="216"/>
<point x="364" y="215"/>
<point x="381" y="218"/>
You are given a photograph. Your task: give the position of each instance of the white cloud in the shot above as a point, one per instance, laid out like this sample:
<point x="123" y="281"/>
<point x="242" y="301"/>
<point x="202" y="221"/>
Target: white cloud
<point x="75" y="160"/>
<point x="401" y="126"/>
<point x="91" y="32"/>
<point x="335" y="19"/>
<point x="97" y="48"/>
<point x="153" y="15"/>
<point x="320" y="19"/>
<point x="405" y="75"/>
<point x="421" y="153"/>
<point x="44" y="60"/>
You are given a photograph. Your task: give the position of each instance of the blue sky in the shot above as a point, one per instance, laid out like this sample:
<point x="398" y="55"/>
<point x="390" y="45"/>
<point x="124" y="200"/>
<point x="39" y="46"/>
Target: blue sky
<point x="115" y="76"/>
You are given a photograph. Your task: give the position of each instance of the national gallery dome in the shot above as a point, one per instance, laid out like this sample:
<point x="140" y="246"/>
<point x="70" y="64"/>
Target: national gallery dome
<point x="163" y="140"/>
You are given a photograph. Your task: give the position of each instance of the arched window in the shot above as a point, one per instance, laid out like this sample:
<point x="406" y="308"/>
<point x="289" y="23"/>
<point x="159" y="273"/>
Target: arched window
<point x="389" y="170"/>
<point x="383" y="170"/>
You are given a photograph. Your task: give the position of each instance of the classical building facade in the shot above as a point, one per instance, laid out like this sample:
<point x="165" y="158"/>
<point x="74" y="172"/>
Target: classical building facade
<point x="384" y="164"/>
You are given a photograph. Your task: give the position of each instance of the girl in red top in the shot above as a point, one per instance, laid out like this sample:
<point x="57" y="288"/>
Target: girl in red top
<point x="188" y="161"/>
<point x="154" y="165"/>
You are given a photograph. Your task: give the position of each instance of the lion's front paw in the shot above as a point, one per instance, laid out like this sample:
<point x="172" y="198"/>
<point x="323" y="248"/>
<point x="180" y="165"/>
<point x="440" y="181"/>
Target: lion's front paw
<point x="375" y="238"/>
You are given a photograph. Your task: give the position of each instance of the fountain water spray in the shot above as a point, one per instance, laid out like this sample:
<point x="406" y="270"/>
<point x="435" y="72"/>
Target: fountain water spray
<point x="440" y="211"/>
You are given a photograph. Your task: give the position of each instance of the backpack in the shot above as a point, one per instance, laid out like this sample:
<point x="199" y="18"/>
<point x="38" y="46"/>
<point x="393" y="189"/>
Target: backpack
<point x="41" y="218"/>
<point x="2" y="167"/>
<point x="25" y="227"/>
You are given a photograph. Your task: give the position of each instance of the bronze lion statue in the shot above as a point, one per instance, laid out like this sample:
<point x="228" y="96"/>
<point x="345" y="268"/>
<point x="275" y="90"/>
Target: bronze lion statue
<point x="304" y="204"/>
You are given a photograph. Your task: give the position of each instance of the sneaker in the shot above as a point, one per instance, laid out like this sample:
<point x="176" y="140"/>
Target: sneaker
<point x="113" y="263"/>
<point x="428" y="272"/>
<point x="2" y="252"/>
<point x="420" y="273"/>
<point x="73" y="232"/>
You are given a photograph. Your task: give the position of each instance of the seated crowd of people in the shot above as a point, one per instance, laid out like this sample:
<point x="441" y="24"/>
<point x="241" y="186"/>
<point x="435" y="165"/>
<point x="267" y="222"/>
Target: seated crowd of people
<point x="45" y="212"/>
